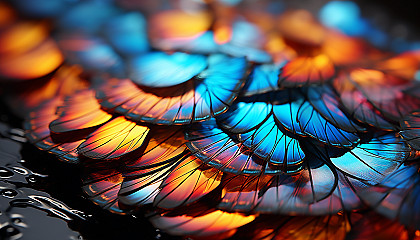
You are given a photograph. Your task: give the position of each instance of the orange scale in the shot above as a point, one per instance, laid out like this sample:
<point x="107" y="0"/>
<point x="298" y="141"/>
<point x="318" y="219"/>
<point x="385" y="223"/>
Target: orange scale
<point x="342" y="49"/>
<point x="163" y="105"/>
<point x="115" y="92"/>
<point x="36" y="124"/>
<point x="147" y="103"/>
<point x="222" y="33"/>
<point x="114" y="139"/>
<point x="213" y="223"/>
<point x="375" y="78"/>
<point x="307" y="70"/>
<point x="22" y="37"/>
<point x="132" y="171"/>
<point x="26" y="96"/>
<point x="67" y="151"/>
<point x="38" y="133"/>
<point x="144" y="191"/>
<point x="79" y="111"/>
<point x="70" y="110"/>
<point x="186" y="184"/>
<point x="378" y="86"/>
<point x="172" y="109"/>
<point x="278" y="48"/>
<point x="178" y="24"/>
<point x="70" y="123"/>
<point x="38" y="129"/>
<point x="102" y="188"/>
<point x="37" y="62"/>
<point x="405" y="65"/>
<point x="165" y="144"/>
<point x="241" y="192"/>
<point x="141" y="186"/>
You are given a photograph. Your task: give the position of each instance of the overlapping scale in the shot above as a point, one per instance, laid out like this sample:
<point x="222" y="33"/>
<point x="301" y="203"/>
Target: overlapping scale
<point x="358" y="106"/>
<point x="208" y="94"/>
<point x="28" y="96"/>
<point x="26" y="51"/>
<point x="166" y="144"/>
<point x="185" y="31"/>
<point x="397" y="196"/>
<point x="169" y="183"/>
<point x="79" y="112"/>
<point x="113" y="140"/>
<point x="262" y="79"/>
<point x="320" y="188"/>
<point x="344" y="50"/>
<point x="359" y="169"/>
<point x="38" y="132"/>
<point x="372" y="161"/>
<point x="158" y="69"/>
<point x="270" y="143"/>
<point x="216" y="148"/>
<point x="385" y="92"/>
<point x="312" y="123"/>
<point x="325" y="101"/>
<point x="410" y="125"/>
<point x="102" y="188"/>
<point x="187" y="183"/>
<point x="43" y="103"/>
<point x="141" y="187"/>
<point x="300" y="117"/>
<point x="316" y="190"/>
<point x="142" y="173"/>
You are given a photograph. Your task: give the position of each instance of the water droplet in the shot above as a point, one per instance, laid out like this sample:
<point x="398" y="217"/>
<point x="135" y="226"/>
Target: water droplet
<point x="5" y="173"/>
<point x="8" y="231"/>
<point x="20" y="170"/>
<point x="9" y="193"/>
<point x="31" y="179"/>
